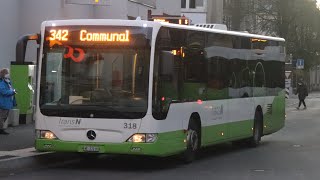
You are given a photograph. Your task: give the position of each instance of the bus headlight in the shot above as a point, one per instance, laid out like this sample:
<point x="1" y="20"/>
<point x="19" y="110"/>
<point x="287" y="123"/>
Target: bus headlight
<point x="143" y="138"/>
<point x="41" y="134"/>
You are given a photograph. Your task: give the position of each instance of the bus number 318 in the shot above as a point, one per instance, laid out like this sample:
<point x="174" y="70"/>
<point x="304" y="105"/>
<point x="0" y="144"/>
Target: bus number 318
<point x="130" y="126"/>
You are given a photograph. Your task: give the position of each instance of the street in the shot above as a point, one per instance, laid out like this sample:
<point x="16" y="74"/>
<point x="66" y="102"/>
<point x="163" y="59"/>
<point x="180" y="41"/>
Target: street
<point x="291" y="153"/>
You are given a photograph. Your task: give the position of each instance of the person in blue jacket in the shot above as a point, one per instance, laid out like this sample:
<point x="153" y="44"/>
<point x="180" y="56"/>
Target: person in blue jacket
<point x="7" y="98"/>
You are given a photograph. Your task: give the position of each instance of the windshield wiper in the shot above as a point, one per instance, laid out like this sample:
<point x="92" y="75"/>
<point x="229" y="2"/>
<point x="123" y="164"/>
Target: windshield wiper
<point x="58" y="102"/>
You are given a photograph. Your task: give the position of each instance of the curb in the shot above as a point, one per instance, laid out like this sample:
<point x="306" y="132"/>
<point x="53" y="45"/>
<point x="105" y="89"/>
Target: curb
<point x="37" y="161"/>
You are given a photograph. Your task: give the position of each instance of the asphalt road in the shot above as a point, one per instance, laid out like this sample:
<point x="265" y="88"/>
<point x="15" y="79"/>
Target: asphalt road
<point x="290" y="154"/>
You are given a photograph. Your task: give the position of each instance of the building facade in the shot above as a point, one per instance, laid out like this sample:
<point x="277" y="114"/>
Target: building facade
<point x="19" y="17"/>
<point x="203" y="11"/>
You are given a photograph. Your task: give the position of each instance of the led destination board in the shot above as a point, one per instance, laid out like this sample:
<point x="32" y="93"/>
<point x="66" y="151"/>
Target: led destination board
<point x="85" y="35"/>
<point x="98" y="35"/>
<point x="110" y="37"/>
<point x="76" y="41"/>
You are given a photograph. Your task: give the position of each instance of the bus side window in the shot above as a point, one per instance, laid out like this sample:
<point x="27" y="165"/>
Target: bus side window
<point x="166" y="83"/>
<point x="195" y="71"/>
<point x="218" y="50"/>
<point x="168" y="70"/>
<point x="168" y="76"/>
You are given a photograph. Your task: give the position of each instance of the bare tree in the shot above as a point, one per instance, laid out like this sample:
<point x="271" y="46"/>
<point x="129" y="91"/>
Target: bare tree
<point x="295" y="20"/>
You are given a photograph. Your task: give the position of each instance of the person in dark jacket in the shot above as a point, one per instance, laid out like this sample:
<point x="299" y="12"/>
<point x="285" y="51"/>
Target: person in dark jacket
<point x="302" y="92"/>
<point x="7" y="99"/>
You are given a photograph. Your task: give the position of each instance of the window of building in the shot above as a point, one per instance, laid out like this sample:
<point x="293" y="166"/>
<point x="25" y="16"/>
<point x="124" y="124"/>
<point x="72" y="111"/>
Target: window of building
<point x="183" y="3"/>
<point x="195" y="3"/>
<point x="199" y="3"/>
<point x="192" y="3"/>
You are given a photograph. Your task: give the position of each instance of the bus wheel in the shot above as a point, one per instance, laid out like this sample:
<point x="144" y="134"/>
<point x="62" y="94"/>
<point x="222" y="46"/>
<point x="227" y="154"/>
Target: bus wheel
<point x="254" y="141"/>
<point x="193" y="142"/>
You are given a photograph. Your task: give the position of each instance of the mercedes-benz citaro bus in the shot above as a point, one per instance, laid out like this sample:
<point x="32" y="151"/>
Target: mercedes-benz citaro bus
<point x="152" y="88"/>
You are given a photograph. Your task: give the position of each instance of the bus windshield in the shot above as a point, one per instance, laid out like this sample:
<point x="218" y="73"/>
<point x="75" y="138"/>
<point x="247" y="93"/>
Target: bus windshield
<point x="100" y="72"/>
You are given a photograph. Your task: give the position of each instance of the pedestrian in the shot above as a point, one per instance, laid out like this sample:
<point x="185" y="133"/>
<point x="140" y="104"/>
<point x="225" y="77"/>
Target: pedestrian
<point x="7" y="98"/>
<point x="302" y="92"/>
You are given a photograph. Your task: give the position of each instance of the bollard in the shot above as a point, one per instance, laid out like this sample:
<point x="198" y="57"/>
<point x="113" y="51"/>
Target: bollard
<point x="14" y="117"/>
<point x="5" y="124"/>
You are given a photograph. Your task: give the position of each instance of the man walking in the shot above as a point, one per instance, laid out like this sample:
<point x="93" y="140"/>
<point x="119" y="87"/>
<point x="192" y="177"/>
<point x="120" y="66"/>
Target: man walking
<point x="302" y="92"/>
<point x="7" y="99"/>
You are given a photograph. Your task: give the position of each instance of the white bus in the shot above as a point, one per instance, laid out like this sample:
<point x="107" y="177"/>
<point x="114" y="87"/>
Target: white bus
<point x="151" y="88"/>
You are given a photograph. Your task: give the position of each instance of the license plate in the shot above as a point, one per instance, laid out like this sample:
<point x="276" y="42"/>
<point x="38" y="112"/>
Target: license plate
<point x="91" y="149"/>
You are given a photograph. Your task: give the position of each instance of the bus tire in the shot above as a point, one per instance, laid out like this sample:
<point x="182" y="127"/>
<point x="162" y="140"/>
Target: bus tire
<point x="193" y="142"/>
<point x="255" y="140"/>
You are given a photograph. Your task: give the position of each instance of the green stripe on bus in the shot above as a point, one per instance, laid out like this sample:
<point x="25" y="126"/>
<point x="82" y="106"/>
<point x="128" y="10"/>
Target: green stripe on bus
<point x="274" y="119"/>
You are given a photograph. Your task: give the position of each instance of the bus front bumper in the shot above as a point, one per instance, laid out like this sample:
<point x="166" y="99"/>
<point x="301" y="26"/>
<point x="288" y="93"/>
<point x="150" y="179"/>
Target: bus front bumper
<point x="164" y="146"/>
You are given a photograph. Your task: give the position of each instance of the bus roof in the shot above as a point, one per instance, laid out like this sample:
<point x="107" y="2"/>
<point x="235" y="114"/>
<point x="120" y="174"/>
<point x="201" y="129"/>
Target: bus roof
<point x="120" y="22"/>
<point x="235" y="33"/>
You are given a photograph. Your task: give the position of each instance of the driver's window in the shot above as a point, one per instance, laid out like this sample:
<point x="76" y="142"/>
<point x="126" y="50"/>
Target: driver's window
<point x="54" y="75"/>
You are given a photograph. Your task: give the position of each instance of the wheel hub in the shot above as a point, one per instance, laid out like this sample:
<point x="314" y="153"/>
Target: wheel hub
<point x="193" y="140"/>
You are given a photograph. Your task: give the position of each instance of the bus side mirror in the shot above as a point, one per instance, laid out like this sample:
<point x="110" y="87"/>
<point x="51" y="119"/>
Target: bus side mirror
<point x="22" y="45"/>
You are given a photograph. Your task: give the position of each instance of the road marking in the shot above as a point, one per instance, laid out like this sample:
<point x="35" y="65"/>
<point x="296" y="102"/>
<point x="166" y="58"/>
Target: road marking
<point x="20" y="153"/>
<point x="259" y="170"/>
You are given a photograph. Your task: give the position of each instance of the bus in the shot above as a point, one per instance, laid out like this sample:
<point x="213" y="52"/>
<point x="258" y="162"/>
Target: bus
<point x="152" y="88"/>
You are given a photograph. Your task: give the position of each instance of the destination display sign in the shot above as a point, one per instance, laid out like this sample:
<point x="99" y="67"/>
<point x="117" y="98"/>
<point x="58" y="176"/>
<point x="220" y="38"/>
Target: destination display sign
<point x="98" y="35"/>
<point x="85" y="35"/>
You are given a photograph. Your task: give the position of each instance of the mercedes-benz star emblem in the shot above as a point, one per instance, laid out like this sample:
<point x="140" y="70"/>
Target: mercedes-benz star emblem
<point x="91" y="135"/>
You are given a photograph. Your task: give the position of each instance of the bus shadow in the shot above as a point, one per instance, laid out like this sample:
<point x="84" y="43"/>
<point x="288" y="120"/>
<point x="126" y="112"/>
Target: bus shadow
<point x="149" y="164"/>
<point x="216" y="151"/>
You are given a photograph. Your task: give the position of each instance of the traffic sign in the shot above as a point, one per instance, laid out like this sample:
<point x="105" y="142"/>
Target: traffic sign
<point x="300" y="64"/>
<point x="288" y="73"/>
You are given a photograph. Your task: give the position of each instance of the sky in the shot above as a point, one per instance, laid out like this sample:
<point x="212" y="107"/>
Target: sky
<point x="318" y="2"/>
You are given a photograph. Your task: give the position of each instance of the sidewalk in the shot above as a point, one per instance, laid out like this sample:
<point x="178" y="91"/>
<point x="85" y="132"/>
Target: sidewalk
<point x="20" y="137"/>
<point x="293" y="100"/>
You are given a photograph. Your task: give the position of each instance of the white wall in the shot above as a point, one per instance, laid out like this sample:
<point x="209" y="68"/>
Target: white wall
<point x="171" y="7"/>
<point x="116" y="10"/>
<point x="121" y="9"/>
<point x="196" y="18"/>
<point x="34" y="12"/>
<point x="9" y="26"/>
